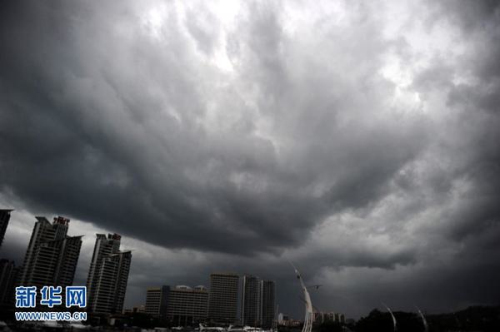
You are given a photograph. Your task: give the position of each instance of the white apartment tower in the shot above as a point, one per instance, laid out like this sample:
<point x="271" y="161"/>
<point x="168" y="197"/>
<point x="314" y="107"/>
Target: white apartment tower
<point x="52" y="256"/>
<point x="108" y="275"/>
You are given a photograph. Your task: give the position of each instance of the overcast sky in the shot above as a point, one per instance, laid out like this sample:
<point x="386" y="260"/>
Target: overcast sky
<point x="358" y="139"/>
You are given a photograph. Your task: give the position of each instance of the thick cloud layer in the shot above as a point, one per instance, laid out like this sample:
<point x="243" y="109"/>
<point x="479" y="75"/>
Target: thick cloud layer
<point x="359" y="140"/>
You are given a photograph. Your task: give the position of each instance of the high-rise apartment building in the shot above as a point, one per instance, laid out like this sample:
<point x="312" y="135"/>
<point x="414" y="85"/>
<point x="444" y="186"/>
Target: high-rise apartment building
<point x="268" y="302"/>
<point x="156" y="301"/>
<point x="258" y="302"/>
<point x="250" y="301"/>
<point x="223" y="297"/>
<point x="52" y="255"/>
<point x="4" y="222"/>
<point x="187" y="306"/>
<point x="108" y="275"/>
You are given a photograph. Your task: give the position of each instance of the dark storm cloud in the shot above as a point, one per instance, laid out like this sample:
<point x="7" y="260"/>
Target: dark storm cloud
<point x="358" y="140"/>
<point x="473" y="132"/>
<point x="82" y="136"/>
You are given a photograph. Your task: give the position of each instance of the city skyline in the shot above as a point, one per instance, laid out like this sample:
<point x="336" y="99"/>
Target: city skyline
<point x="52" y="256"/>
<point x="357" y="139"/>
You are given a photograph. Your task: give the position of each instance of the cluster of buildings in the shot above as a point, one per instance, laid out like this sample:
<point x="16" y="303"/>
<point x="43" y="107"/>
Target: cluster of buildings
<point x="51" y="259"/>
<point x="323" y="317"/>
<point x="52" y="256"/>
<point x="184" y="305"/>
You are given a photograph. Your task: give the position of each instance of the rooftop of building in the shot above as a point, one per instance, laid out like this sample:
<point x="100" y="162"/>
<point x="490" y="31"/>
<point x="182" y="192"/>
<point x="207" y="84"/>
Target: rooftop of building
<point x="226" y="274"/>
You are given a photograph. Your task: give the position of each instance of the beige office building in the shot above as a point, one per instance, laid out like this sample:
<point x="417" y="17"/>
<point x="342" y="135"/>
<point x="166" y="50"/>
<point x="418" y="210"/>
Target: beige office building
<point x="187" y="306"/>
<point x="156" y="301"/>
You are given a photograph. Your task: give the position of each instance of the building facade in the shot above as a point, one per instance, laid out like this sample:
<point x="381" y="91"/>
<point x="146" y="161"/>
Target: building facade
<point x="250" y="301"/>
<point x="268" y="303"/>
<point x="108" y="275"/>
<point x="330" y="316"/>
<point x="156" y="301"/>
<point x="4" y="222"/>
<point x="52" y="255"/>
<point x="187" y="306"/>
<point x="8" y="276"/>
<point x="283" y="319"/>
<point x="223" y="297"/>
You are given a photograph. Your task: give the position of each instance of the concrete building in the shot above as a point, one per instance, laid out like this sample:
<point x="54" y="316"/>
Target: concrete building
<point x="52" y="256"/>
<point x="340" y="318"/>
<point x="108" y="275"/>
<point x="318" y="317"/>
<point x="4" y="222"/>
<point x="268" y="303"/>
<point x="8" y="276"/>
<point x="223" y="297"/>
<point x="156" y="301"/>
<point x="135" y="309"/>
<point x="187" y="306"/>
<point x="330" y="316"/>
<point x="251" y="308"/>
<point x="283" y="319"/>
